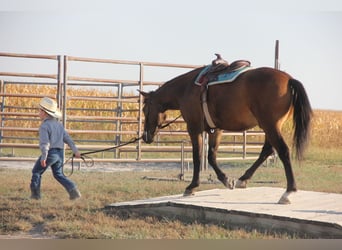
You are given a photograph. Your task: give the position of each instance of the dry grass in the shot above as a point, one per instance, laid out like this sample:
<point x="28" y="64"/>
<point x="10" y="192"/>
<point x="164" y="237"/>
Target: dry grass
<point x="57" y="217"/>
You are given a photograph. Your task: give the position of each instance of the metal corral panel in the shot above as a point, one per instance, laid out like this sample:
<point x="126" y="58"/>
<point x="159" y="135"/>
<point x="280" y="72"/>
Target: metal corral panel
<point x="314" y="214"/>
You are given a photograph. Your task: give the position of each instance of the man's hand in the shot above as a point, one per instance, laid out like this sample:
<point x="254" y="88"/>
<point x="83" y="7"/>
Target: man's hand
<point x="77" y="155"/>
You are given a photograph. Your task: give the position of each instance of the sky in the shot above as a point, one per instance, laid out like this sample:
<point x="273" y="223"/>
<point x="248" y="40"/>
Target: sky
<point x="184" y="32"/>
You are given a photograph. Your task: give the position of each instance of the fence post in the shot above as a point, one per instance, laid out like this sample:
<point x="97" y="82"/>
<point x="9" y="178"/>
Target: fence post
<point x="59" y="82"/>
<point x="118" y="137"/>
<point x="2" y="104"/>
<point x="141" y="84"/>
<point x="204" y="161"/>
<point x="182" y="160"/>
<point x="244" y="146"/>
<point x="276" y="57"/>
<point x="64" y="92"/>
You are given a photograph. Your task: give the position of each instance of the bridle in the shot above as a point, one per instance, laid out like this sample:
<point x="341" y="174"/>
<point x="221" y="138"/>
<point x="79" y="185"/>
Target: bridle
<point x="160" y="126"/>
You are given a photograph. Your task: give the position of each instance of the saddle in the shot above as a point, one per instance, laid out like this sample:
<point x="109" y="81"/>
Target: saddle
<point x="220" y="71"/>
<point x="218" y="67"/>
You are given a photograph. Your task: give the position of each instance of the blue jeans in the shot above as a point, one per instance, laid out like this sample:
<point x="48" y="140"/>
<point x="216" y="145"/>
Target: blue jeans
<point x="55" y="159"/>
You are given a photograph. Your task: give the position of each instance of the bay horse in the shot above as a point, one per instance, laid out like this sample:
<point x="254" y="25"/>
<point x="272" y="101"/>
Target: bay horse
<point x="262" y="96"/>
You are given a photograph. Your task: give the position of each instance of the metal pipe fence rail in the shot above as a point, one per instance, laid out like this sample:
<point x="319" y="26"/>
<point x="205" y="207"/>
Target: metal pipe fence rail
<point x="100" y="113"/>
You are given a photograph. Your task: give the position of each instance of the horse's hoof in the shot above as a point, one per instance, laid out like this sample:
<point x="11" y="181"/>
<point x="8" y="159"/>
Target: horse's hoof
<point x="188" y="192"/>
<point x="231" y="184"/>
<point x="284" y="199"/>
<point x="241" y="184"/>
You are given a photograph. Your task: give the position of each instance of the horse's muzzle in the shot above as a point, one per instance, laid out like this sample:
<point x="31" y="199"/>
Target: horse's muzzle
<point x="147" y="137"/>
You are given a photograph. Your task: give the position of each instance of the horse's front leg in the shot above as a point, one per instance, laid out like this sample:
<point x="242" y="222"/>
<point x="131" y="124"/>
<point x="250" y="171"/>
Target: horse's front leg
<point x="197" y="141"/>
<point x="214" y="142"/>
<point x="266" y="151"/>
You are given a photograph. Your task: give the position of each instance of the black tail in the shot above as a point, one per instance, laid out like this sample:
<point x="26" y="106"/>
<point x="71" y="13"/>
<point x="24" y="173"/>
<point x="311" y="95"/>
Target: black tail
<point x="301" y="117"/>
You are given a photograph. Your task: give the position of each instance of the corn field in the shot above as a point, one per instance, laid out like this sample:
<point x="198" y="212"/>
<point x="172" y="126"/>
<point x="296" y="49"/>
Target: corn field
<point x="326" y="129"/>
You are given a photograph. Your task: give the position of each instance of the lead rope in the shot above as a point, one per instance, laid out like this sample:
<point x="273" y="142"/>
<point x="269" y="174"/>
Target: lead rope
<point x="169" y="123"/>
<point x="85" y="156"/>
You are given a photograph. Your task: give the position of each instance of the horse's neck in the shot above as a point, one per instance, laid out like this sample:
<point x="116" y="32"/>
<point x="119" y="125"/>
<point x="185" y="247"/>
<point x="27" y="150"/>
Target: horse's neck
<point x="168" y="98"/>
<point x="171" y="92"/>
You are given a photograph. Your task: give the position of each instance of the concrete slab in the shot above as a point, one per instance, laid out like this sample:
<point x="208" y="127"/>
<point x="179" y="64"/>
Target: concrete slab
<point x="315" y="214"/>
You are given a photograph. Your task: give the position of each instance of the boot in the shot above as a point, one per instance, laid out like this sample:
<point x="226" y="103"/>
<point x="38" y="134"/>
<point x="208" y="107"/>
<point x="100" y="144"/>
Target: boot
<point x="35" y="194"/>
<point x="74" y="194"/>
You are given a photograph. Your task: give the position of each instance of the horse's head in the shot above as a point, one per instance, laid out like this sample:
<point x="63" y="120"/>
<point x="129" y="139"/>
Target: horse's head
<point x="154" y="116"/>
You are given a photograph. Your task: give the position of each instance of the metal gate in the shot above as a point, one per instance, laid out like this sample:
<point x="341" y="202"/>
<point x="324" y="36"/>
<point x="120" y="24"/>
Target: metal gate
<point x="100" y="112"/>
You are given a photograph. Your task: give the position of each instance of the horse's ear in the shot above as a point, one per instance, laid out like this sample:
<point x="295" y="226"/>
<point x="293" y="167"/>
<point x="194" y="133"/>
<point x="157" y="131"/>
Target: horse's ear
<point x="144" y="94"/>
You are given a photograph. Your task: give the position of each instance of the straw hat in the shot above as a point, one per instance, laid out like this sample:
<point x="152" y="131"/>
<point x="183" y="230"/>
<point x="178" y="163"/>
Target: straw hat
<point x="50" y="106"/>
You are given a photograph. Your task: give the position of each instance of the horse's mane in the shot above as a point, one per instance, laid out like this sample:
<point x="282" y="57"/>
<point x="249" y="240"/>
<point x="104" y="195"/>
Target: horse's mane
<point x="191" y="73"/>
<point x="169" y="92"/>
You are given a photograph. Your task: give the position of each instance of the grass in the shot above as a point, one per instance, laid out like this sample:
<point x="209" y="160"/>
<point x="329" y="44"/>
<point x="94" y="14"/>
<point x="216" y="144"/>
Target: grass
<point x="56" y="217"/>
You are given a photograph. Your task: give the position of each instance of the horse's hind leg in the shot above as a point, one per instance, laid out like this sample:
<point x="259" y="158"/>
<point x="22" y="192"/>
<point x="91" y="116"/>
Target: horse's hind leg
<point x="266" y="151"/>
<point x="277" y="141"/>
<point x="214" y="142"/>
<point x="284" y="155"/>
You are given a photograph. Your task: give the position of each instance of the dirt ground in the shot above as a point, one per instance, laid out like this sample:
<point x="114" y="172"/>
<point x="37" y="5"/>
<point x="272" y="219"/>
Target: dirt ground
<point x="102" y="166"/>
